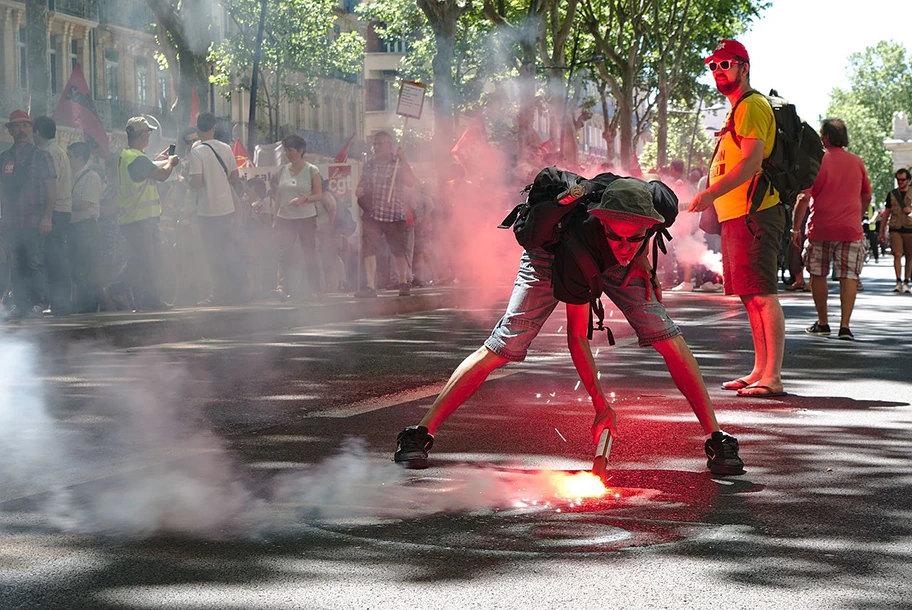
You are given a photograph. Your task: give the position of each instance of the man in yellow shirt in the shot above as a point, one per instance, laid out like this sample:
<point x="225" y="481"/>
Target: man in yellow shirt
<point x="750" y="237"/>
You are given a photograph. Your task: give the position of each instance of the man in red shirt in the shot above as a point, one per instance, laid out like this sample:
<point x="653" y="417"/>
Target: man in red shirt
<point x="837" y="201"/>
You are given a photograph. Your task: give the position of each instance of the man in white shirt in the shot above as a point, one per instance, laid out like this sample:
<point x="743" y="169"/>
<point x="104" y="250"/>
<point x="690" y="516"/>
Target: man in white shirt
<point x="56" y="262"/>
<point x="212" y="169"/>
<point x="84" y="237"/>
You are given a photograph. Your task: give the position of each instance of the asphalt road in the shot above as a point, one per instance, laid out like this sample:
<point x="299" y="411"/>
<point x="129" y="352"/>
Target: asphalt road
<point x="254" y="472"/>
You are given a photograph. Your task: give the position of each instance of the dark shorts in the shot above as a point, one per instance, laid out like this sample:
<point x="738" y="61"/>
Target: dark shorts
<point x="750" y="252"/>
<point x="395" y="232"/>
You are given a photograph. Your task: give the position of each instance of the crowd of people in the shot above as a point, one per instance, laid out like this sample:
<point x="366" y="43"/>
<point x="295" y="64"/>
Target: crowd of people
<point x="148" y="231"/>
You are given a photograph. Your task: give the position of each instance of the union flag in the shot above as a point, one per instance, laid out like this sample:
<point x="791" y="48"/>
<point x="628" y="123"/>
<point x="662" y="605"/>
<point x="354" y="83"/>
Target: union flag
<point x="240" y="154"/>
<point x="76" y="108"/>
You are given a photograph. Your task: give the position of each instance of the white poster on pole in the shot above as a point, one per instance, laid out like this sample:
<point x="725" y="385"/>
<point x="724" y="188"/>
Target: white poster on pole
<point x="411" y="99"/>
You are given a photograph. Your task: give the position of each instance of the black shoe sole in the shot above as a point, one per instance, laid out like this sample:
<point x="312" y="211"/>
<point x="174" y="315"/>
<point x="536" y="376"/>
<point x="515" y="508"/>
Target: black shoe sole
<point x="724" y="470"/>
<point x="417" y="463"/>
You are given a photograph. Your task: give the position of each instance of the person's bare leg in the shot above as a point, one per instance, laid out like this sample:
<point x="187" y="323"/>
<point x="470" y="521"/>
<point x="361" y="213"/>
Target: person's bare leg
<point x="370" y="271"/>
<point x="820" y="291"/>
<point x="848" y="290"/>
<point x="686" y="374"/>
<point x="756" y="326"/>
<point x="465" y="381"/>
<point x="898" y="265"/>
<point x="771" y="320"/>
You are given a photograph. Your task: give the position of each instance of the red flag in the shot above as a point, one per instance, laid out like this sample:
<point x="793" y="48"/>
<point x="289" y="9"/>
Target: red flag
<point x="194" y="107"/>
<point x="473" y="142"/>
<point x="77" y="109"/>
<point x="240" y="154"/>
<point x="343" y="154"/>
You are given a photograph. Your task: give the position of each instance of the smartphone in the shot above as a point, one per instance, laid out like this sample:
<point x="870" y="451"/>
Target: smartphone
<point x="171" y="150"/>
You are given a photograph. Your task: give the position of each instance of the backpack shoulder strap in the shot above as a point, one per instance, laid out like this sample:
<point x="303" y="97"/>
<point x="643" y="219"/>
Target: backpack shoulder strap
<point x="730" y="124"/>
<point x="593" y="276"/>
<point x="222" y="163"/>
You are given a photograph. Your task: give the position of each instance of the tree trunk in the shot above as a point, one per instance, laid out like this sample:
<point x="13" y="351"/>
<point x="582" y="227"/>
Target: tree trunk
<point x="39" y="85"/>
<point x="444" y="94"/>
<point x="524" y="130"/>
<point x="625" y="125"/>
<point x="662" y="118"/>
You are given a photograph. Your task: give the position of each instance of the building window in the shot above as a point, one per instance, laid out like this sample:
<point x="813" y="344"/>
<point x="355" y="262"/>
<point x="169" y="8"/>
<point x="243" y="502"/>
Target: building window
<point x="352" y="119"/>
<point x="23" y="59"/>
<point x="111" y="68"/>
<point x="392" y="95"/>
<point x="393" y="46"/>
<point x="142" y="81"/>
<point x="74" y="54"/>
<point x="52" y="65"/>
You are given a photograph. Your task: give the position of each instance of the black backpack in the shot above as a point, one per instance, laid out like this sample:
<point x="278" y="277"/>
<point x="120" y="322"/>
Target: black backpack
<point x="554" y="201"/>
<point x="794" y="162"/>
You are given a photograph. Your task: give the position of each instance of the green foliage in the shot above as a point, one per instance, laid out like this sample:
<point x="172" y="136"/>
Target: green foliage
<point x="300" y="45"/>
<point x="680" y="131"/>
<point x="879" y="84"/>
<point x="476" y="59"/>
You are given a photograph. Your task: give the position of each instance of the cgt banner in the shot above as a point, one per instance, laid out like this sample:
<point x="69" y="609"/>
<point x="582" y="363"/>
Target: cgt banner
<point x="341" y="177"/>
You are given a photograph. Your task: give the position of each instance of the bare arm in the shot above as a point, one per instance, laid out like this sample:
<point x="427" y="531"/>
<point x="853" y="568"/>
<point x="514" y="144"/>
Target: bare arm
<point x="160" y="174"/>
<point x="577" y="341"/>
<point x="801" y="206"/>
<point x="751" y="161"/>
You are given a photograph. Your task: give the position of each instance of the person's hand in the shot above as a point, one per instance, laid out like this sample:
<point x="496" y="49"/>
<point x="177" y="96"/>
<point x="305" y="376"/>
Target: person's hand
<point x="173" y="161"/>
<point x="605" y="417"/>
<point x="907" y="210"/>
<point x="46" y="225"/>
<point x="796" y="239"/>
<point x="400" y="154"/>
<point x="640" y="267"/>
<point x="162" y="155"/>
<point x="702" y="201"/>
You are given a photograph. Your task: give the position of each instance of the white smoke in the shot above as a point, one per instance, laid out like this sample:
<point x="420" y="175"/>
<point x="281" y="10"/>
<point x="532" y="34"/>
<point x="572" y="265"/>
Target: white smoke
<point x="152" y="467"/>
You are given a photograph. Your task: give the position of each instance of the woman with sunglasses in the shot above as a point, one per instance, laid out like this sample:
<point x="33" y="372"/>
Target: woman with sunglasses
<point x="613" y="231"/>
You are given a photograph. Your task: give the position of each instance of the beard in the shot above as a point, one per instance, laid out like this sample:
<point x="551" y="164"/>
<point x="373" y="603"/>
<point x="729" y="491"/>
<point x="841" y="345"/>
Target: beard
<point x="727" y="86"/>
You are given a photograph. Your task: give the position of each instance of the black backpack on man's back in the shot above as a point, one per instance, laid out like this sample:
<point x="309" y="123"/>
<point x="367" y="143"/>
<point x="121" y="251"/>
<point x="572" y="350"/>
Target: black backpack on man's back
<point x="794" y="162"/>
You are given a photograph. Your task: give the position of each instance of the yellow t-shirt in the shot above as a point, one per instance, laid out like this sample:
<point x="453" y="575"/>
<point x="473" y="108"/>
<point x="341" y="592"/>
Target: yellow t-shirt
<point x="754" y="119"/>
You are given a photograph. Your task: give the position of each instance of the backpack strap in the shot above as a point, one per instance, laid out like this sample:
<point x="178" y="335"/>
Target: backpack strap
<point x="593" y="277"/>
<point x="598" y="310"/>
<point x="222" y="163"/>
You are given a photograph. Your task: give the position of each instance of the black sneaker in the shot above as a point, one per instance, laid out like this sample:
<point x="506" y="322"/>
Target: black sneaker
<point x="818" y="329"/>
<point x="722" y="451"/>
<point x="845" y="334"/>
<point x="412" y="446"/>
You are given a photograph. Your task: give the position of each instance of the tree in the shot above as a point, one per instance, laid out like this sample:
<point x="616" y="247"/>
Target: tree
<point x="183" y="32"/>
<point x="443" y="17"/>
<point x="36" y="32"/>
<point x="879" y="84"/>
<point x="681" y="31"/>
<point x="301" y="46"/>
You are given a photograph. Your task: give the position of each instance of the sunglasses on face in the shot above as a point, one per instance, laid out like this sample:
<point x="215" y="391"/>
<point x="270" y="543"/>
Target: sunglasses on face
<point x="634" y="239"/>
<point x="725" y="64"/>
<point x="902" y="179"/>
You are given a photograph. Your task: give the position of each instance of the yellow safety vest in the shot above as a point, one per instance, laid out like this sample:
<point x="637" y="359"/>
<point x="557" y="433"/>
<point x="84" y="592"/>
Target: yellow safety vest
<point x="137" y="200"/>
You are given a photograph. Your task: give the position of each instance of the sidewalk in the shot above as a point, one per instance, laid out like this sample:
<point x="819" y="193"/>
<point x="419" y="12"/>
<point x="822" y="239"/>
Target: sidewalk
<point x="122" y="329"/>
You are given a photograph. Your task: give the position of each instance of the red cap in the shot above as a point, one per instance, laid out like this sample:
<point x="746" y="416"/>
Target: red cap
<point x="19" y="116"/>
<point x="729" y="49"/>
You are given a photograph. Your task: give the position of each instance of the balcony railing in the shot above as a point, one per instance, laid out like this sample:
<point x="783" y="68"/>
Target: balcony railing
<point x="86" y="9"/>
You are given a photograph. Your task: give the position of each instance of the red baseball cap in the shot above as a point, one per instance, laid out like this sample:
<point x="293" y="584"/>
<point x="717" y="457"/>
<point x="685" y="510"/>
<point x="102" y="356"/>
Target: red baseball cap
<point x="19" y="116"/>
<point x="729" y="49"/>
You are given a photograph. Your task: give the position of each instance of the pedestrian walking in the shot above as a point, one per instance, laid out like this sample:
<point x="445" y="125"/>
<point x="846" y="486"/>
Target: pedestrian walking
<point x="85" y="237"/>
<point x="898" y="218"/>
<point x="835" y="236"/>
